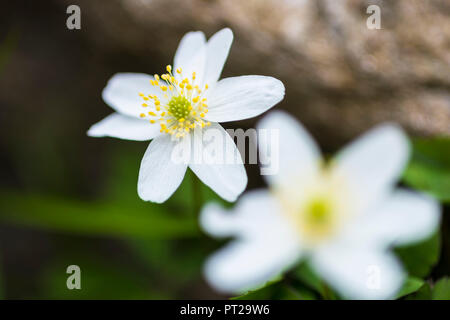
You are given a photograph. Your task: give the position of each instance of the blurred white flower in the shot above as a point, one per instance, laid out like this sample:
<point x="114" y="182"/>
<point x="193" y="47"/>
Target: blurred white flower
<point x="343" y="216"/>
<point x="188" y="98"/>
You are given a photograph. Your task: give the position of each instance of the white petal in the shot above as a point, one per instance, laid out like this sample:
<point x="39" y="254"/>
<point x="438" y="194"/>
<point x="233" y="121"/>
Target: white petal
<point x="293" y="155"/>
<point x="359" y="273"/>
<point x="188" y="48"/>
<point x="160" y="175"/>
<point x="373" y="163"/>
<point x="243" y="97"/>
<point x="221" y="166"/>
<point x="123" y="127"/>
<point x="191" y="56"/>
<point x="122" y="92"/>
<point x="217" y="50"/>
<point x="265" y="245"/>
<point x="245" y="265"/>
<point x="405" y="217"/>
<point x="255" y="215"/>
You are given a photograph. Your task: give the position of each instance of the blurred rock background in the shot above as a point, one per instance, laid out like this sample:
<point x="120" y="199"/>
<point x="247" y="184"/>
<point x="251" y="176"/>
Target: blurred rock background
<point x="331" y="63"/>
<point x="341" y="78"/>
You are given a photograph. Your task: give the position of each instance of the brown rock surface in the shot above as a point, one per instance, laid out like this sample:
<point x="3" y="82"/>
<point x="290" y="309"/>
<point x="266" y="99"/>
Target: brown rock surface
<point x="340" y="77"/>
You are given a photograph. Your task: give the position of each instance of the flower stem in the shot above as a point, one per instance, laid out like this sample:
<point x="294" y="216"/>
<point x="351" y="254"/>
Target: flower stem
<point x="196" y="194"/>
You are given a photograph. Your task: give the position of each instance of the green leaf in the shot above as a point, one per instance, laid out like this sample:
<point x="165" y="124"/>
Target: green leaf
<point x="277" y="289"/>
<point x="143" y="220"/>
<point x="441" y="290"/>
<point x="429" y="168"/>
<point x="305" y="274"/>
<point x="178" y="261"/>
<point x="424" y="293"/>
<point x="420" y="258"/>
<point x="410" y="286"/>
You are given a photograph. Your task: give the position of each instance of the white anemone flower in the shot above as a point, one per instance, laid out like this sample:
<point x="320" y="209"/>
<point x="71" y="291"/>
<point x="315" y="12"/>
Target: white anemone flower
<point x="168" y="108"/>
<point x="343" y="216"/>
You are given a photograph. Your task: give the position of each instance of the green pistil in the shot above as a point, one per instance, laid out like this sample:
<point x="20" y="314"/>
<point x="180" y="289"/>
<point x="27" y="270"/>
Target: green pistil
<point x="180" y="107"/>
<point x="318" y="211"/>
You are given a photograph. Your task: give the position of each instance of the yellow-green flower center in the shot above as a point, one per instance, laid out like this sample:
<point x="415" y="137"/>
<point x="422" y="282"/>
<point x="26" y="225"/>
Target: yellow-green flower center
<point x="318" y="211"/>
<point x="179" y="106"/>
<point x="317" y="217"/>
<point x="316" y="207"/>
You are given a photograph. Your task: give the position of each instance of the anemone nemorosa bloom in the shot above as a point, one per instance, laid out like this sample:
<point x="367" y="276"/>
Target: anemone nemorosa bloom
<point x="189" y="98"/>
<point x="342" y="216"/>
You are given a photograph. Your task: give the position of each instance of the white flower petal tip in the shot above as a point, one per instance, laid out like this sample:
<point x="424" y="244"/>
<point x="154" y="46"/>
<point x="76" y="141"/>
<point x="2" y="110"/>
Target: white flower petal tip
<point x="122" y="92"/>
<point x="124" y="127"/>
<point x="216" y="221"/>
<point x="404" y="218"/>
<point x="374" y="162"/>
<point x="384" y="141"/>
<point x="225" y="33"/>
<point x="217" y="49"/>
<point x="159" y="175"/>
<point x="420" y="216"/>
<point x="188" y="47"/>
<point x="228" y="181"/>
<point x="243" y="97"/>
<point x="225" y="175"/>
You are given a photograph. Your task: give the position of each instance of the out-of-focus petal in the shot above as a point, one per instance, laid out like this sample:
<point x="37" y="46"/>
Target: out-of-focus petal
<point x="373" y="164"/>
<point x="288" y="153"/>
<point x="405" y="217"/>
<point x="358" y="272"/>
<point x="265" y="245"/>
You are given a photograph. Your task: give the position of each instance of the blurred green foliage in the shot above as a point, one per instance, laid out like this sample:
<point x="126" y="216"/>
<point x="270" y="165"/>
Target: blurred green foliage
<point x="165" y="245"/>
<point x="103" y="219"/>
<point x="441" y="290"/>
<point x="420" y="258"/>
<point x="429" y="168"/>
<point x="437" y="291"/>
<point x="410" y="286"/>
<point x="100" y="280"/>
<point x="165" y="240"/>
<point x="278" y="289"/>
